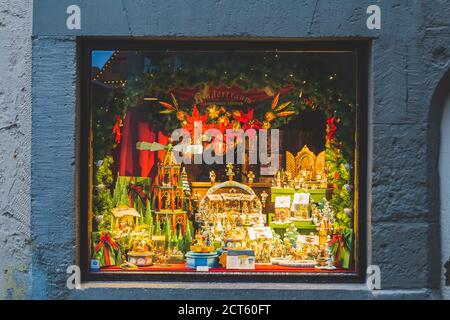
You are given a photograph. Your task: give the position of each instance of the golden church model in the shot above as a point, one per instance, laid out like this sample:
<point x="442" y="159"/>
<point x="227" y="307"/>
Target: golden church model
<point x="169" y="198"/>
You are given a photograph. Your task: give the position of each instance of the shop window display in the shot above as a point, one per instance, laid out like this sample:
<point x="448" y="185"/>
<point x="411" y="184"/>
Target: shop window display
<point x="223" y="161"/>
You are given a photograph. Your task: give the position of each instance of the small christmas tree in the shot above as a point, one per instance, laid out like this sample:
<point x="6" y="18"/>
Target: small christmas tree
<point x="158" y="230"/>
<point x="291" y="234"/>
<point x="180" y="244"/>
<point x="185" y="187"/>
<point x="117" y="191"/>
<point x="168" y="232"/>
<point x="188" y="237"/>
<point x="148" y="220"/>
<point x="174" y="240"/>
<point x="124" y="200"/>
<point x="142" y="217"/>
<point x="102" y="200"/>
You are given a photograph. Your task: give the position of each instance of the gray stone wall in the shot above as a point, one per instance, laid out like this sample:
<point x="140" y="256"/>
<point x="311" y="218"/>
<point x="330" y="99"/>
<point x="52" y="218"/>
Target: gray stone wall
<point x="410" y="55"/>
<point x="15" y="147"/>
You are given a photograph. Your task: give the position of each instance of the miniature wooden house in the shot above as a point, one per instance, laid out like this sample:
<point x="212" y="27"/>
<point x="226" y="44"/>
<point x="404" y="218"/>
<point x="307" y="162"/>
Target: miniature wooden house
<point x="124" y="217"/>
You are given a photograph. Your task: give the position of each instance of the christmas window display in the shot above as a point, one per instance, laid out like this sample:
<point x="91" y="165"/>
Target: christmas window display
<point x="152" y="212"/>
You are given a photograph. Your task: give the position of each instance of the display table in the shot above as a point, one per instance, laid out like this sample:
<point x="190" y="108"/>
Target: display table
<point x="317" y="195"/>
<point x="303" y="227"/>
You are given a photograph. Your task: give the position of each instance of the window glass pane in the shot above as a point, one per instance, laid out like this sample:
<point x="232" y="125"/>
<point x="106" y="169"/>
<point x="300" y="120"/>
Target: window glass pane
<point x="223" y="161"/>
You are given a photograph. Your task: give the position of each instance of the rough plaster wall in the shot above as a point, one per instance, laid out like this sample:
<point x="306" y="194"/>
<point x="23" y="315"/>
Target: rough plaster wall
<point x="53" y="205"/>
<point x="15" y="147"/>
<point x="409" y="56"/>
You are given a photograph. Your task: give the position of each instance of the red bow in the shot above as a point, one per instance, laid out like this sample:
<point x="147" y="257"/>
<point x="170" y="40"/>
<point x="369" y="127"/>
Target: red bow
<point x="340" y="240"/>
<point x="139" y="190"/>
<point x="105" y="241"/>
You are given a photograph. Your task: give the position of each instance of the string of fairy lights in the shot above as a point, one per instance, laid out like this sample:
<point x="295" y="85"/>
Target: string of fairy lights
<point x="104" y="69"/>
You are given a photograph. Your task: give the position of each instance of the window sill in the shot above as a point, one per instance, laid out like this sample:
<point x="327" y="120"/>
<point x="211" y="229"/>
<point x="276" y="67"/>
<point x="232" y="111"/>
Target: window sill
<point x="224" y="286"/>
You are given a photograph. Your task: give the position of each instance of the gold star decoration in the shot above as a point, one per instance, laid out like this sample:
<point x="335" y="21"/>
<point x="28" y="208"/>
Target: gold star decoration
<point x="213" y="111"/>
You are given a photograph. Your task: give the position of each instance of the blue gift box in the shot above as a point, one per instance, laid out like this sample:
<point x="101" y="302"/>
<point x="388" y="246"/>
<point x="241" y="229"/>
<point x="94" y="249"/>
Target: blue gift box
<point x="95" y="265"/>
<point x="196" y="259"/>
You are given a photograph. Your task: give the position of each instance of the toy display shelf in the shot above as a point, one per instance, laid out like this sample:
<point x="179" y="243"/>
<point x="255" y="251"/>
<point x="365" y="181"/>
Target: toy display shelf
<point x="317" y="195"/>
<point x="303" y="227"/>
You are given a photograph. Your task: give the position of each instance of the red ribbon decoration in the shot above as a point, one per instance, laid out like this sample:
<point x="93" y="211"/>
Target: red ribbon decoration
<point x="116" y="130"/>
<point x="104" y="241"/>
<point x="331" y="128"/>
<point x="340" y="240"/>
<point x="139" y="190"/>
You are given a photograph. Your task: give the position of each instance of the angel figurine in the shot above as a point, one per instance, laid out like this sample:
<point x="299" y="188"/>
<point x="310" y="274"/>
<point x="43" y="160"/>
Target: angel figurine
<point x="212" y="177"/>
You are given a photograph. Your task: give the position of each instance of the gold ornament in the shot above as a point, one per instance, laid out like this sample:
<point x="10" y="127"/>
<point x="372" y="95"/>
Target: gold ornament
<point x="285" y="113"/>
<point x="181" y="115"/>
<point x="270" y="116"/>
<point x="275" y="101"/>
<point x="213" y="112"/>
<point x="212" y="177"/>
<point x="282" y="106"/>
<point x="235" y="125"/>
<point x="224" y="121"/>
<point x="230" y="172"/>
<point x="264" y="196"/>
<point x="250" y="177"/>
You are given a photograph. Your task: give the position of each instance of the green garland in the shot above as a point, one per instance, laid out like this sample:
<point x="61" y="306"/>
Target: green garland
<point x="102" y="202"/>
<point x="339" y="174"/>
<point x="103" y="120"/>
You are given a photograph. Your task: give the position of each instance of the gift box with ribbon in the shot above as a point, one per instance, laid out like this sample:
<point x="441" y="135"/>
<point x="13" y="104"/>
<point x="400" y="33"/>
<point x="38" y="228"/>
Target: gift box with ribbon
<point x="132" y="191"/>
<point x="139" y="191"/>
<point x="341" y="247"/>
<point x="106" y="249"/>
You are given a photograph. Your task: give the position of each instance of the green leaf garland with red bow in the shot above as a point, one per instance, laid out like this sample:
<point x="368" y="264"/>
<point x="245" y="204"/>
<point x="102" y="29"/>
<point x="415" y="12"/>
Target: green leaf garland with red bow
<point x="107" y="250"/>
<point x="341" y="247"/>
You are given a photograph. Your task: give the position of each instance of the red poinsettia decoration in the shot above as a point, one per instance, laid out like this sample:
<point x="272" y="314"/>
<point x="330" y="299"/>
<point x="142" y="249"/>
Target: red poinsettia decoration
<point x="116" y="130"/>
<point x="331" y="128"/>
<point x="195" y="117"/>
<point x="222" y="124"/>
<point x="248" y="120"/>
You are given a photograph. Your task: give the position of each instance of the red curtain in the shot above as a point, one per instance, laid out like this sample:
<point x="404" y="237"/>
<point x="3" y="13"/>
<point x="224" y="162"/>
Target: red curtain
<point x="133" y="162"/>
